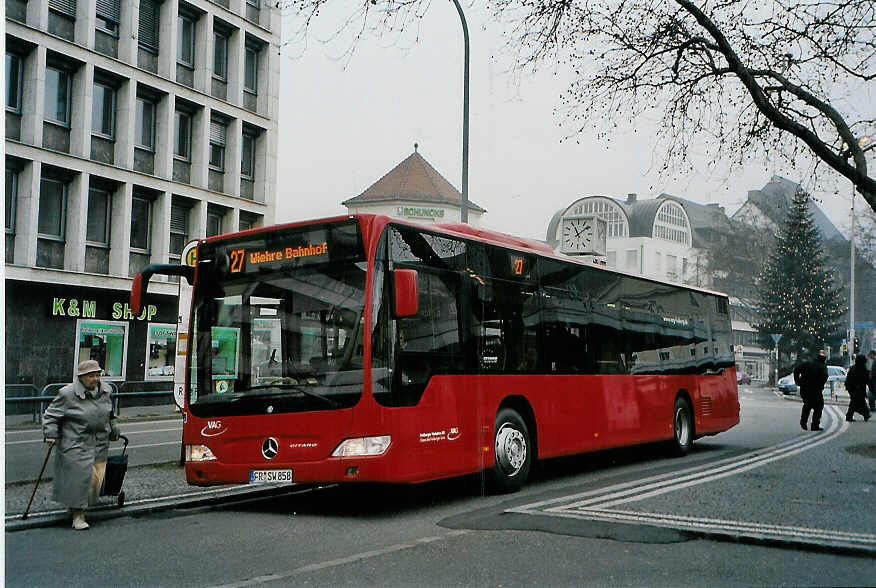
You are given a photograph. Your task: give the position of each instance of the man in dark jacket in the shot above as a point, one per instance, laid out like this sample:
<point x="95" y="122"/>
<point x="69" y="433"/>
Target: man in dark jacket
<point x="856" y="385"/>
<point x="872" y="384"/>
<point x="810" y="377"/>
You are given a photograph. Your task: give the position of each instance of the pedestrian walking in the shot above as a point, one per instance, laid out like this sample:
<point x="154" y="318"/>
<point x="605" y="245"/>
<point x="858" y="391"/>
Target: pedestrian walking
<point x="872" y="385"/>
<point x="810" y="377"/>
<point x="80" y="421"/>
<point x="856" y="385"/>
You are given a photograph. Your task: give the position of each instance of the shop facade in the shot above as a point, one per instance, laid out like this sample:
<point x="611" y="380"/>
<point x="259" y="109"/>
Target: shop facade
<point x="50" y="328"/>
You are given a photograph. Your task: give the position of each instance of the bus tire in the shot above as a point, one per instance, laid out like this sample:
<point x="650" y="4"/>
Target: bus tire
<point x="513" y="453"/>
<point x="682" y="427"/>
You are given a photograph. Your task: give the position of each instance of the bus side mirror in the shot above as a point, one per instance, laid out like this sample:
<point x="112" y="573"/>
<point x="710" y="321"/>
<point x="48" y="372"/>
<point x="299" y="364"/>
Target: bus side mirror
<point x="405" y="289"/>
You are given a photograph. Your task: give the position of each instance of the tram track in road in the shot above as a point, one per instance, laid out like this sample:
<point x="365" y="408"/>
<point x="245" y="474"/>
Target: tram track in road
<point x="604" y="504"/>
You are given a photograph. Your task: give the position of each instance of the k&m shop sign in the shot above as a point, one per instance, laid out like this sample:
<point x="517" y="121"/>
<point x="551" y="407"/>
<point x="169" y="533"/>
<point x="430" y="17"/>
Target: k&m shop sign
<point x="84" y="308"/>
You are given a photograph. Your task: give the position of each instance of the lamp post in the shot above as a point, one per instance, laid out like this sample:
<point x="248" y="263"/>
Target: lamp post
<point x="463" y="209"/>
<point x="865" y="143"/>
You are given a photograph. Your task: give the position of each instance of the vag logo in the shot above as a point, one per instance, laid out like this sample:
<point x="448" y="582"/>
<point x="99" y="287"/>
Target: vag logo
<point x="213" y="428"/>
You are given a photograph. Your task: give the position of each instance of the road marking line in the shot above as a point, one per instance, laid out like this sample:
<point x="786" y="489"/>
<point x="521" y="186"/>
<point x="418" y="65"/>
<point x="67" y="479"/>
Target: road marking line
<point x="596" y="504"/>
<point x="126" y="433"/>
<point x="344" y="560"/>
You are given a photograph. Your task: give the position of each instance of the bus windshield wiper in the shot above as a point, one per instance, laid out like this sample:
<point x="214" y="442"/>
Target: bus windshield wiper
<point x="281" y="385"/>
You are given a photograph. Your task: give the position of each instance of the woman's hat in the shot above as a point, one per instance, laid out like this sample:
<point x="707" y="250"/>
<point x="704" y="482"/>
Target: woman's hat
<point x="88" y="366"/>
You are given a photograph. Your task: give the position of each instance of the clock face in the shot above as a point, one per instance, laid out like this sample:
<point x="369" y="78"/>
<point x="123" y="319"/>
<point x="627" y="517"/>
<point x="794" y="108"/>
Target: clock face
<point x="577" y="234"/>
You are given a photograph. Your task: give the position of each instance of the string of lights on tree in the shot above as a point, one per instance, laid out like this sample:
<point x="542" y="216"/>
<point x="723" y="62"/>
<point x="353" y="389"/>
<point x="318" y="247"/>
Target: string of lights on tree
<point x="797" y="294"/>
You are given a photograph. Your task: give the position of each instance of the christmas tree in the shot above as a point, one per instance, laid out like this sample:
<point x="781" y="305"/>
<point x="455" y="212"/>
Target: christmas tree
<point x="797" y="297"/>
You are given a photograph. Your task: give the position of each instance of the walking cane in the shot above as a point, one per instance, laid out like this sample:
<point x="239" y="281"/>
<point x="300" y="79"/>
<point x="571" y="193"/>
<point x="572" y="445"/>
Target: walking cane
<point x="37" y="485"/>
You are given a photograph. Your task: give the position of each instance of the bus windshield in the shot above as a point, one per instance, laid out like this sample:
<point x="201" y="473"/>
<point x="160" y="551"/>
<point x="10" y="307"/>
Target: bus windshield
<point x="277" y="322"/>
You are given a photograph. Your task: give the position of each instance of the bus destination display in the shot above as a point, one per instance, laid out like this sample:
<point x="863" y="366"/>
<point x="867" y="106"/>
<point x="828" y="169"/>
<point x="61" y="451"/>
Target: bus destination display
<point x="249" y="259"/>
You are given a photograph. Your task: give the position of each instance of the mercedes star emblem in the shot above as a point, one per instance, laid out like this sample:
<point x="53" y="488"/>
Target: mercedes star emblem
<point x="270" y="448"/>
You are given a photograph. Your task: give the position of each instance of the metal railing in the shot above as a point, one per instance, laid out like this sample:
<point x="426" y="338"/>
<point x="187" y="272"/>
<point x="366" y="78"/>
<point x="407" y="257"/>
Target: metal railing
<point x="36" y="402"/>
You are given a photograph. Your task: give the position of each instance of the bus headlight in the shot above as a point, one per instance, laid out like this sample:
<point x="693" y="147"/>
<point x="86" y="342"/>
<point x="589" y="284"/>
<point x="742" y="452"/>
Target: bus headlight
<point x="362" y="446"/>
<point x="199" y="453"/>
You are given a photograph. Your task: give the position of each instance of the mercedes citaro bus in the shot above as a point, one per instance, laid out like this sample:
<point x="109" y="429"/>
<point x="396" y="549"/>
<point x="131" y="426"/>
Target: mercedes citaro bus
<point x="367" y="348"/>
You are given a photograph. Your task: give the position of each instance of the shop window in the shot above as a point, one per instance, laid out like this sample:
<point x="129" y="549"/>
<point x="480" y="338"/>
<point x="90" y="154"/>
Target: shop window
<point x="160" y="351"/>
<point x="103" y="341"/>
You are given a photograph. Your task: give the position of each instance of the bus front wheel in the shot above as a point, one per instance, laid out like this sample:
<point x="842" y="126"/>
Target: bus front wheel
<point x="682" y="426"/>
<point x="513" y="452"/>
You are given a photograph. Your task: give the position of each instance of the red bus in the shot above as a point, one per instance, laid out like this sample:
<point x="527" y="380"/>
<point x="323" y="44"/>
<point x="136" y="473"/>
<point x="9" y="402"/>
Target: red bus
<point x="367" y="348"/>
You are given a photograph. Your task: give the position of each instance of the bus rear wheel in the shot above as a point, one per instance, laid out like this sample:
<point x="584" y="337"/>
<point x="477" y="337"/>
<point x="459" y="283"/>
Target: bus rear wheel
<point x="683" y="428"/>
<point x="513" y="452"/>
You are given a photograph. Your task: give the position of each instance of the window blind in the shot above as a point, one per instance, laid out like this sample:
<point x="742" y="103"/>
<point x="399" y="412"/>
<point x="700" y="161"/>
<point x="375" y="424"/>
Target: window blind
<point x="148" y="29"/>
<point x="108" y="9"/>
<point x="67" y="7"/>
<point x="217" y="133"/>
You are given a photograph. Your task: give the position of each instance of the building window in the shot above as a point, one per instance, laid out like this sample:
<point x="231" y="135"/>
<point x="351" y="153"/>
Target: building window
<point x="186" y="42"/>
<point x="148" y="27"/>
<point x="13" y="82"/>
<point x="179" y="230"/>
<point x="108" y="16"/>
<point x="217" y="144"/>
<point x="251" y="69"/>
<point x="247" y="221"/>
<point x="606" y="210"/>
<point x="97" y="229"/>
<point x="214" y="223"/>
<point x="671" y="266"/>
<point x="161" y="351"/>
<point x="57" y="96"/>
<point x="220" y="55"/>
<point x="632" y="259"/>
<point x="11" y="197"/>
<point x="103" y="111"/>
<point x="53" y="209"/>
<point x="671" y="224"/>
<point x="145" y="125"/>
<point x="247" y="156"/>
<point x="141" y="223"/>
<point x="254" y="3"/>
<point x="65" y="7"/>
<point x="183" y="132"/>
<point x="105" y="342"/>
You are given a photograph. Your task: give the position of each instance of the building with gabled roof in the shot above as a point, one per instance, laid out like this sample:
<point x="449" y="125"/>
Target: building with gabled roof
<point x="414" y="189"/>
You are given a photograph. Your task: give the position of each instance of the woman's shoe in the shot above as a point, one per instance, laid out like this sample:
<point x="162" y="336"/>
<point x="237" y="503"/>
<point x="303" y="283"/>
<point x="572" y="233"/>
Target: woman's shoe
<point x="79" y="523"/>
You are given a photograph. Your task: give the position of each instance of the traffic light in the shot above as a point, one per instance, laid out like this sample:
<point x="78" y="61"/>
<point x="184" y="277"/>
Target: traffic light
<point x="857" y="345"/>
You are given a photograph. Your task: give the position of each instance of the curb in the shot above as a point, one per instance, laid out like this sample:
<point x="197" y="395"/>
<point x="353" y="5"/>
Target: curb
<point x="145" y="506"/>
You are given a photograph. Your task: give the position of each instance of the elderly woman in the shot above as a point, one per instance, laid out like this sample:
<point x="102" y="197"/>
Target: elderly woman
<point x="81" y="421"/>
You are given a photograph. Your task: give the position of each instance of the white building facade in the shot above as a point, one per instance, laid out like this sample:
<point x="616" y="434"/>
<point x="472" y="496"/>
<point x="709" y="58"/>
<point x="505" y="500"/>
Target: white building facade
<point x="132" y="127"/>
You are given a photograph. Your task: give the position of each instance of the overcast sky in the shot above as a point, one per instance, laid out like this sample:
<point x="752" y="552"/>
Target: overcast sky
<point x="345" y="122"/>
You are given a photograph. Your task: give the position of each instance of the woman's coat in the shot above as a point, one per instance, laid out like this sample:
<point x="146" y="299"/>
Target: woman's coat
<point x="83" y="425"/>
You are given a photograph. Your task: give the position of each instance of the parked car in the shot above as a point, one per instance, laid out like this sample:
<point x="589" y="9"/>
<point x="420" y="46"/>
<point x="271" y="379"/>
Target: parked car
<point x="836" y="380"/>
<point x="743" y="378"/>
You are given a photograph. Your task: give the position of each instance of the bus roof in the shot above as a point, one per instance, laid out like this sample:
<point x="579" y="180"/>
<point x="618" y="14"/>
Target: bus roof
<point x="463" y="230"/>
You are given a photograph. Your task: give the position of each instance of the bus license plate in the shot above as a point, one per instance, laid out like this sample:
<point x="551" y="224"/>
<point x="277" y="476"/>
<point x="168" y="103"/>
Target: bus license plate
<point x="270" y="476"/>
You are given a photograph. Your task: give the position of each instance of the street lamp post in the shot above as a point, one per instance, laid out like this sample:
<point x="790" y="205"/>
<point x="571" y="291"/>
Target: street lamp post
<point x="865" y="143"/>
<point x="463" y="209"/>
